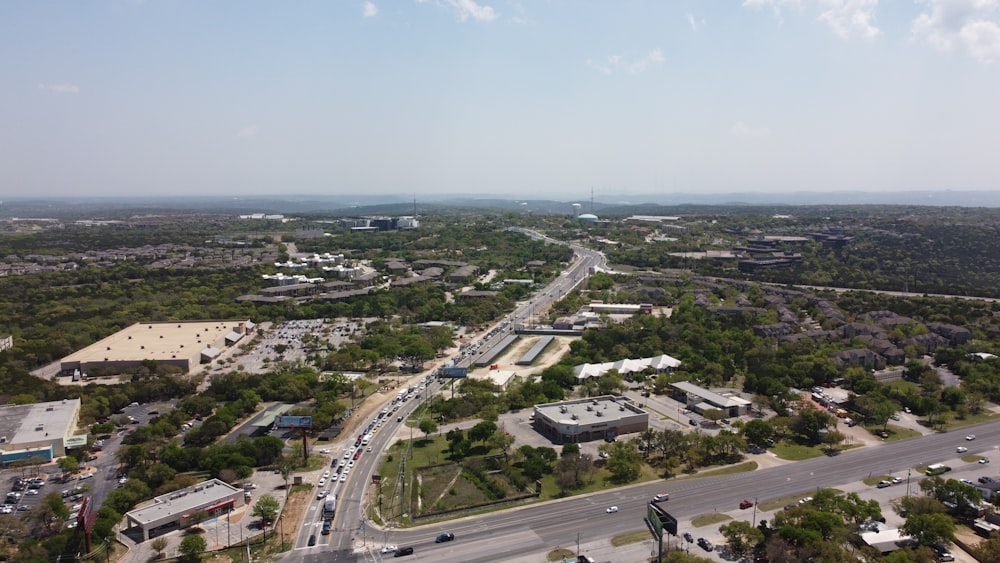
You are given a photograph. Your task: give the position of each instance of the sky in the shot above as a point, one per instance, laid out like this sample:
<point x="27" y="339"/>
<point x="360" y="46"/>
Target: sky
<point x="541" y="99"/>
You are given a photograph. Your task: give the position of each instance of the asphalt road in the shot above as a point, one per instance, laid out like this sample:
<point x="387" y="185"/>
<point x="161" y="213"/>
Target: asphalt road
<point x="531" y="530"/>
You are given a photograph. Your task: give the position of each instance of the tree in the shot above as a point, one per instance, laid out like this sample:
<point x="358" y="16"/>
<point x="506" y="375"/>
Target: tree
<point x="741" y="536"/>
<point x="624" y="461"/>
<point x="929" y="528"/>
<point x="68" y="464"/>
<point x="481" y="432"/>
<point x="158" y="545"/>
<point x="266" y="509"/>
<point x="427" y="426"/>
<point x="191" y="548"/>
<point x="758" y="431"/>
<point x="715" y="415"/>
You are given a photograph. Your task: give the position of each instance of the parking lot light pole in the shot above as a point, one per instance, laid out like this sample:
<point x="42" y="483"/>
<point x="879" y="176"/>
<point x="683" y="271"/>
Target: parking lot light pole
<point x="754" y="522"/>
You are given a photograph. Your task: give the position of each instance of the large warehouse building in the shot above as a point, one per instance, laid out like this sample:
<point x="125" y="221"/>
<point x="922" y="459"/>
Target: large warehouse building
<point x="584" y="420"/>
<point x="178" y="509"/>
<point x="37" y="433"/>
<point x="182" y="344"/>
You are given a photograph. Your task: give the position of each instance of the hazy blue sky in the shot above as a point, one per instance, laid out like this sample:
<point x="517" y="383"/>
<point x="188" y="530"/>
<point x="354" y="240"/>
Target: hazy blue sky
<point x="545" y="98"/>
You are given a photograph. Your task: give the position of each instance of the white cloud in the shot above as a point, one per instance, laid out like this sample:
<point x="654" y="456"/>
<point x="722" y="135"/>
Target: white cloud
<point x="248" y="132"/>
<point x="615" y="63"/>
<point x="369" y="9"/>
<point x="850" y="18"/>
<point x="467" y="10"/>
<point x="694" y="22"/>
<point x="60" y="88"/>
<point x="775" y="5"/>
<point x="969" y="25"/>
<point x="743" y="130"/>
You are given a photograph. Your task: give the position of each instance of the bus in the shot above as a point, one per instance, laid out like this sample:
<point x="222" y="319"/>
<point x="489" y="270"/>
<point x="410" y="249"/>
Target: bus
<point x="937" y="469"/>
<point x="329" y="507"/>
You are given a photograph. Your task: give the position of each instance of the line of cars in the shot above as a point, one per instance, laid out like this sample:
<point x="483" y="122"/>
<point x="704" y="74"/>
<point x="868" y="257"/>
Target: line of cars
<point x="397" y="551"/>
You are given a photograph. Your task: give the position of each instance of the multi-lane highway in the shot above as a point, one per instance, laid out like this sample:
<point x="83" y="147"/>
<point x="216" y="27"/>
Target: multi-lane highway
<point x="535" y="529"/>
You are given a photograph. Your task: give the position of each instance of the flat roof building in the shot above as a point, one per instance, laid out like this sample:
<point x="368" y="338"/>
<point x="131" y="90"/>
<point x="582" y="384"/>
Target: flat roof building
<point x="176" y="510"/>
<point x="585" y="420"/>
<point x="182" y="344"/>
<point x="37" y="432"/>
<point x="700" y="399"/>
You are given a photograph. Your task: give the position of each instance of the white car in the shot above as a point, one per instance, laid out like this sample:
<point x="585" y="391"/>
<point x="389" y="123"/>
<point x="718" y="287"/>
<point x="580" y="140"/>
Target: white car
<point x="31" y="492"/>
<point x="970" y="437"/>
<point x="961" y="449"/>
<point x="322" y="482"/>
<point x="967" y="482"/>
<point x="343" y="477"/>
<point x="350" y="463"/>
<point x="896" y="480"/>
<point x="326" y="473"/>
<point x="325" y="451"/>
<point x="389" y="549"/>
<point x="611" y="509"/>
<point x="984" y="460"/>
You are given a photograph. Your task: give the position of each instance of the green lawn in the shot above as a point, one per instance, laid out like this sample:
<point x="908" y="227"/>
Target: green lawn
<point x="796" y="452"/>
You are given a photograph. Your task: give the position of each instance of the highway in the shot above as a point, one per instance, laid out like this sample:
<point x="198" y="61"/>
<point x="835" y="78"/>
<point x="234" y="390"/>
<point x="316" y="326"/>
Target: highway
<point x="530" y="530"/>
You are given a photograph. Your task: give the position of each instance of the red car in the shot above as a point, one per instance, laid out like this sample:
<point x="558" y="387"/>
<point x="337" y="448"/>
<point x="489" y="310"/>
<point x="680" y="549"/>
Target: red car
<point x="746" y="503"/>
<point x="356" y="456"/>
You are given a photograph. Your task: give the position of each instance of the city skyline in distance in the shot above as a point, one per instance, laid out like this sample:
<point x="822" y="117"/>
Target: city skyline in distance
<point x="518" y="100"/>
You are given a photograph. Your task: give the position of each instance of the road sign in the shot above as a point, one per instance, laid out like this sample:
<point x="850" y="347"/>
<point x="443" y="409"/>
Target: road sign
<point x="663" y="520"/>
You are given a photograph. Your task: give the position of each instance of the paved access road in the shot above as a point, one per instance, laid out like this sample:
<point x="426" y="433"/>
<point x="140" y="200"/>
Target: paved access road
<point x="532" y="530"/>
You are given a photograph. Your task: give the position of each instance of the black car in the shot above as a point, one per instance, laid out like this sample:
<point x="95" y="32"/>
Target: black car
<point x="403" y="551"/>
<point x="705" y="544"/>
<point x="689" y="537"/>
<point x="444" y="537"/>
<point x="312" y="540"/>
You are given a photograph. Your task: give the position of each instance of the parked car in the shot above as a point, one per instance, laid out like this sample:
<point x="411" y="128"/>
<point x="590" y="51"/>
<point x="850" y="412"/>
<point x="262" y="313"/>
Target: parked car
<point x="896" y="480"/>
<point x="883" y="484"/>
<point x="705" y="544"/>
<point x="746" y="503"/>
<point x="688" y="537"/>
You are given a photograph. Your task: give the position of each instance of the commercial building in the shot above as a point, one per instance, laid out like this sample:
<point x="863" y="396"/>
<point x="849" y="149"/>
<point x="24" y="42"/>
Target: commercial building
<point x="182" y="344"/>
<point x="37" y="433"/>
<point x="585" y="420"/>
<point x="700" y="399"/>
<point x="181" y="508"/>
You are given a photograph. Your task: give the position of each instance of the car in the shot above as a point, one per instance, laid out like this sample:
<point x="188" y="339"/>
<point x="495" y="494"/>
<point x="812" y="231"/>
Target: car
<point x="350" y="463"/>
<point x="343" y="477"/>
<point x="746" y="503"/>
<point x="896" y="480"/>
<point x="325" y="451"/>
<point x="320" y="495"/>
<point x="970" y="437"/>
<point x="611" y="509"/>
<point x="883" y="484"/>
<point x="152" y="413"/>
<point x="312" y="540"/>
<point x="688" y="537"/>
<point x="692" y="422"/>
<point x="660" y="497"/>
<point x="357" y="456"/>
<point x="986" y="479"/>
<point x="86" y="476"/>
<point x="789" y="506"/>
<point x="804" y="500"/>
<point x="705" y="544"/>
<point x="322" y="482"/>
<point x="369" y="448"/>
<point x="907" y="410"/>
<point x="967" y="482"/>
<point x="389" y="549"/>
<point x="447" y="536"/>
<point x="403" y="551"/>
<point x="326" y="473"/>
<point x="31" y="492"/>
<point x="984" y="460"/>
<point x="961" y="449"/>
<point x="399" y="419"/>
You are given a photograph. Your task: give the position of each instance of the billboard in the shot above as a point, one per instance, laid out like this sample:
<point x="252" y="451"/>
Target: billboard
<point x="661" y="520"/>
<point x="454" y="372"/>
<point x="293" y="421"/>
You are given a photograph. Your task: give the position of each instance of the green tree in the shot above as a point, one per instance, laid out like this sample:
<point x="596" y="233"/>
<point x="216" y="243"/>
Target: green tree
<point x="741" y="536"/>
<point x="428" y="426"/>
<point x="266" y="508"/>
<point x="758" y="431"/>
<point x="624" y="461"/>
<point x="68" y="464"/>
<point x="482" y="431"/>
<point x="191" y="548"/>
<point x="929" y="528"/>
<point x="158" y="545"/>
